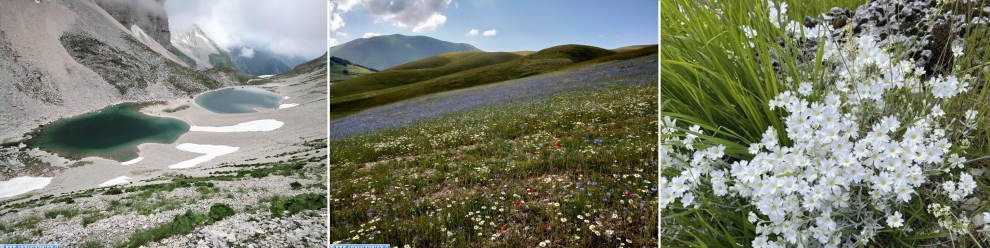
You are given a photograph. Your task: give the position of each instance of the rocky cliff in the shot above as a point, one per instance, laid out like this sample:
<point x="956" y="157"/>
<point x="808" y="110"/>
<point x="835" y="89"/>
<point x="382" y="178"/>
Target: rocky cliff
<point x="149" y="15"/>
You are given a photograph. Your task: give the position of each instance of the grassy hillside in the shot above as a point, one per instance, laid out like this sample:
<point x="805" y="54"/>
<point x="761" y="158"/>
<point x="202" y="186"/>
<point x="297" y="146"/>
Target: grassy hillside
<point x="420" y="70"/>
<point x="630" y="48"/>
<point x="553" y="157"/>
<point x="543" y="61"/>
<point x="341" y="69"/>
<point x="383" y="52"/>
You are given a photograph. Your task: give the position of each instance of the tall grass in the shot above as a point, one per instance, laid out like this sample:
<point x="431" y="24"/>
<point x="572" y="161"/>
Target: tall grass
<point x="712" y="77"/>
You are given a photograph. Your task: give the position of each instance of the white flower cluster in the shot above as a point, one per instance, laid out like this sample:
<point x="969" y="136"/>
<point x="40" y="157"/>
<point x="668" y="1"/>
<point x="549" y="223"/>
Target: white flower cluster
<point x="842" y="162"/>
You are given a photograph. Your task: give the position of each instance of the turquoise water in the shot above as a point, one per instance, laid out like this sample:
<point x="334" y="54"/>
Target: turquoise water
<point x="238" y="100"/>
<point x="113" y="132"/>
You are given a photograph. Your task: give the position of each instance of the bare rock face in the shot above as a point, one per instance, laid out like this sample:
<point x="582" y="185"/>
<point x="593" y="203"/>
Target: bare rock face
<point x="149" y="15"/>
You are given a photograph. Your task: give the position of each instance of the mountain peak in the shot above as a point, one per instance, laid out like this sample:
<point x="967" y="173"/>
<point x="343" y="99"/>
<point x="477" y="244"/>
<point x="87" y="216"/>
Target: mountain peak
<point x="195" y="29"/>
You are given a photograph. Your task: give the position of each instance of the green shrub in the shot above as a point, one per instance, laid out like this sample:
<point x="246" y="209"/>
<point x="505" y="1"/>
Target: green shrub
<point x="182" y="224"/>
<point x="90" y="219"/>
<point x="68" y="213"/>
<point x="276" y="209"/>
<point x="218" y="212"/>
<point x="307" y="201"/>
<point x="113" y="191"/>
<point x="295" y="185"/>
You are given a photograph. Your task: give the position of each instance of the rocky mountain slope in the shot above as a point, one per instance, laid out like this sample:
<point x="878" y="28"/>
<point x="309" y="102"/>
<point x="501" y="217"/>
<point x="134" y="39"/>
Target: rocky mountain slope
<point x="386" y="51"/>
<point x="149" y="15"/>
<point x="198" y="50"/>
<point x="64" y="58"/>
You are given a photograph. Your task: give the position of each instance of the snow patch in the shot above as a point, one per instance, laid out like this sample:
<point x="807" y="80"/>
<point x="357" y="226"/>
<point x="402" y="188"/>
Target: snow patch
<point x="288" y="105"/>
<point x="138" y="33"/>
<point x="251" y="126"/>
<point x="115" y="181"/>
<point x="286" y="97"/>
<point x="21" y="185"/>
<point x="211" y="151"/>
<point x="266" y="76"/>
<point x="132" y="161"/>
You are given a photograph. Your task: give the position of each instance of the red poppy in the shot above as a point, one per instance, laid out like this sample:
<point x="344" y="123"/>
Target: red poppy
<point x="541" y="161"/>
<point x="588" y="130"/>
<point x="504" y="228"/>
<point x="530" y="190"/>
<point x="558" y="144"/>
<point x="517" y="204"/>
<point x="628" y="193"/>
<point x="544" y="226"/>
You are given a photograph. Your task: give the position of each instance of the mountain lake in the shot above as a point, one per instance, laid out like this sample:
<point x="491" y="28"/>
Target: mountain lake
<point x="112" y="132"/>
<point x="238" y="100"/>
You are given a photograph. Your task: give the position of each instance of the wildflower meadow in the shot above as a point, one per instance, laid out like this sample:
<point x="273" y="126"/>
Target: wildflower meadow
<point x="824" y="123"/>
<point x="566" y="159"/>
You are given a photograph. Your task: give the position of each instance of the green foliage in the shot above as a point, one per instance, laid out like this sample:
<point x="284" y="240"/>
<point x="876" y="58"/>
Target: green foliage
<point x="66" y="200"/>
<point x="180" y="225"/>
<point x="86" y="220"/>
<point x="68" y="213"/>
<point x="176" y="109"/>
<point x="92" y="244"/>
<point x="218" y="212"/>
<point x="113" y="191"/>
<point x="276" y="208"/>
<point x="295" y="185"/>
<point x="307" y="201"/>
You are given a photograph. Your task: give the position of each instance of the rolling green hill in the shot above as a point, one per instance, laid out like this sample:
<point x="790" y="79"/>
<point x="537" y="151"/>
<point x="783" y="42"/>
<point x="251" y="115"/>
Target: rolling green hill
<point x="386" y="51"/>
<point x="547" y="60"/>
<point x="336" y="69"/>
<point x="420" y="70"/>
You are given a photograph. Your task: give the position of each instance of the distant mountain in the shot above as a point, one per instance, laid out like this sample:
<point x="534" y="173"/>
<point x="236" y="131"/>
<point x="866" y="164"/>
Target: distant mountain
<point x="387" y="51"/>
<point x="256" y="61"/>
<point x="198" y="50"/>
<point x="291" y="61"/>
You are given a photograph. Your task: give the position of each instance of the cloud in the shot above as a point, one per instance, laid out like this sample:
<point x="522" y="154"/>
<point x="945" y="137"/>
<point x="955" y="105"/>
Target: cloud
<point x="473" y="32"/>
<point x="342" y="34"/>
<point x="247" y="52"/>
<point x="336" y="22"/>
<point x="489" y="33"/>
<point x="431" y="24"/>
<point x="455" y="5"/>
<point x="422" y="15"/>
<point x="344" y="5"/>
<point x="298" y="29"/>
<point x="369" y="35"/>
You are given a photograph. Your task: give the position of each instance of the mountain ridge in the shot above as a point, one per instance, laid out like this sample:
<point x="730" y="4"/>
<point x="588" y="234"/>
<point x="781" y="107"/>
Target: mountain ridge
<point x="386" y="51"/>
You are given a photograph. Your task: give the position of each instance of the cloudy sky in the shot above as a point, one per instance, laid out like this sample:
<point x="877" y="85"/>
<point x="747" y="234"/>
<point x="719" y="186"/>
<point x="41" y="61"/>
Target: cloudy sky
<point x="297" y="27"/>
<point x="500" y="25"/>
